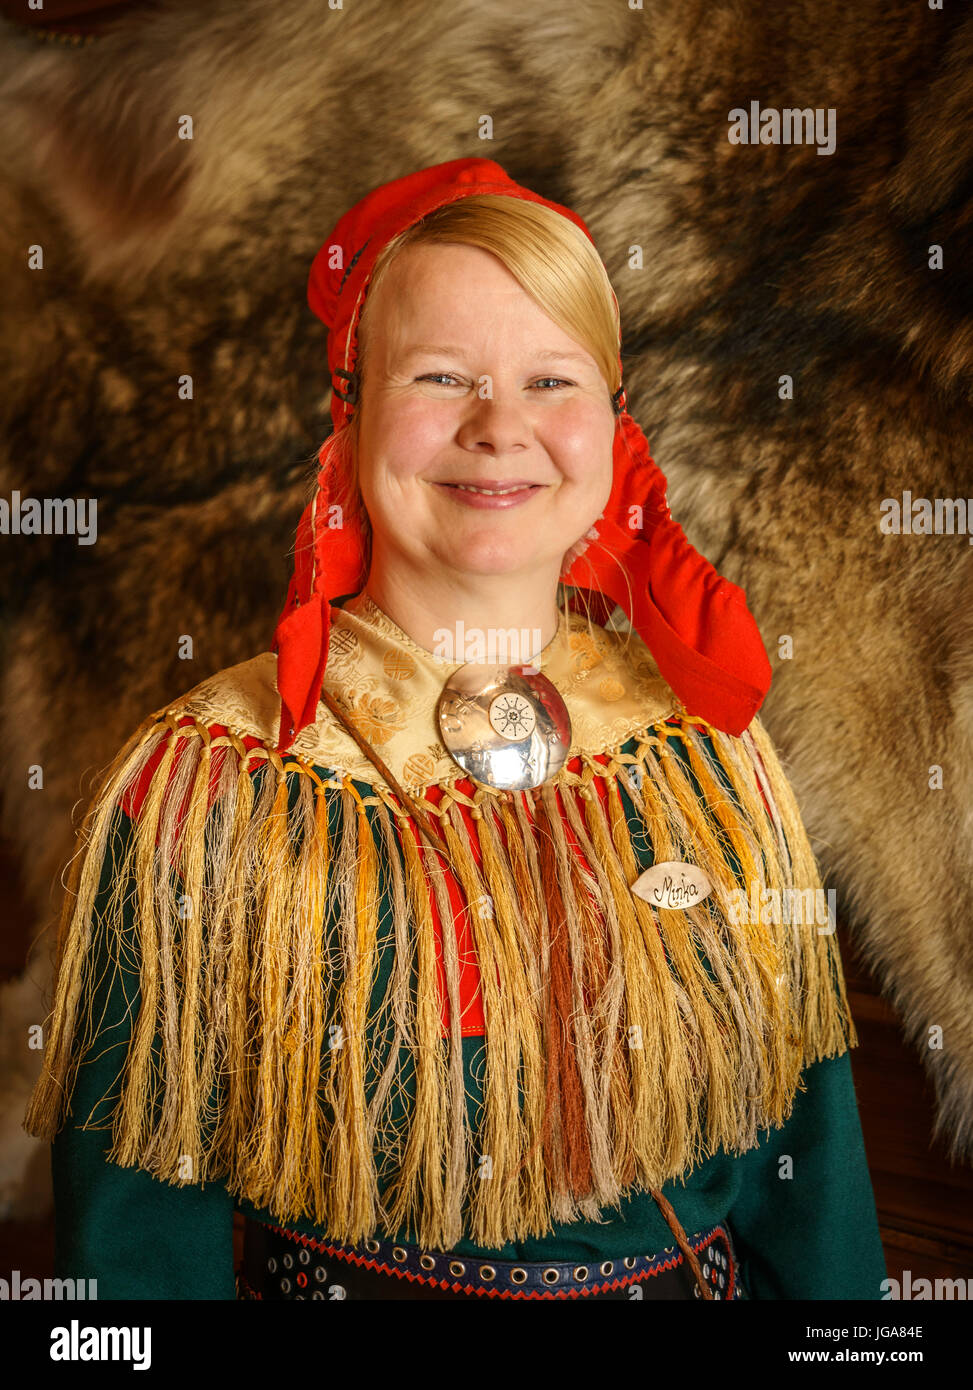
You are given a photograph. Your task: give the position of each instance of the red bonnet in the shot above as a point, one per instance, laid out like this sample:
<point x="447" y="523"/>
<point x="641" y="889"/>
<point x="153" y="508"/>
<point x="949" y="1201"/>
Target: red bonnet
<point x="695" y="622"/>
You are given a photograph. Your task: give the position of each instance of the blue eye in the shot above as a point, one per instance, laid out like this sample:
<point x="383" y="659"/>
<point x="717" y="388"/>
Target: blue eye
<point x="449" y="379"/>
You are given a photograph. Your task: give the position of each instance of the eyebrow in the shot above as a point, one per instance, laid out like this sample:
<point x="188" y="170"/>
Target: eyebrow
<point x="446" y="350"/>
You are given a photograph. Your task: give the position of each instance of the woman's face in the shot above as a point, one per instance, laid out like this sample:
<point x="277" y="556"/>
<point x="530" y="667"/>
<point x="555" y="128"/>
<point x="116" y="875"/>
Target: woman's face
<point x="485" y="437"/>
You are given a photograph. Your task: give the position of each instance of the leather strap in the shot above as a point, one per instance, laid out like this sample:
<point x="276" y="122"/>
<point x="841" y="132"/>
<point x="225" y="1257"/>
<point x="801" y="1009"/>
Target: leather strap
<point x="283" y="1264"/>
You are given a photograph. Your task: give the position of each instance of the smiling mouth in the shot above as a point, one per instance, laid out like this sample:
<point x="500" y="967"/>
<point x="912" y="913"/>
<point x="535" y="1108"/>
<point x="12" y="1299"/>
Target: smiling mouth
<point x="493" y="490"/>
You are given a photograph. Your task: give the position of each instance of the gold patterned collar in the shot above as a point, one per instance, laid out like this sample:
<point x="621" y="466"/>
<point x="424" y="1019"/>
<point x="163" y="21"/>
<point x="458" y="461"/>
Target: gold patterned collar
<point x="390" y="687"/>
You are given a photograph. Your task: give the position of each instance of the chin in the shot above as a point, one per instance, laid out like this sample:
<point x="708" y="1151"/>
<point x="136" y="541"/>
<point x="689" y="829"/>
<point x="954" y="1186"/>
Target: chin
<point x="489" y="557"/>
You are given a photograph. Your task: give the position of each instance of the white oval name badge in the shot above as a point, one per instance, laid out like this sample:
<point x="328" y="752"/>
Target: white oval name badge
<point x="672" y="884"/>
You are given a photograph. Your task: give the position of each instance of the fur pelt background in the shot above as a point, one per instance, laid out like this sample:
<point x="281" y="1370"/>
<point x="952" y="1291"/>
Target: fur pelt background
<point x="166" y="257"/>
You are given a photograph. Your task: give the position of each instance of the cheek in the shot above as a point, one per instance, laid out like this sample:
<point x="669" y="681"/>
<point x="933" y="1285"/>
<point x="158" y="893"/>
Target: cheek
<point x="401" y="439"/>
<point x="586" y="459"/>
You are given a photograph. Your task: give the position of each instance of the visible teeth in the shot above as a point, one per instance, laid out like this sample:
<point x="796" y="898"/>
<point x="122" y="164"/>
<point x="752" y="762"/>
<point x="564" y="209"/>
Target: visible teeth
<point x="490" y="492"/>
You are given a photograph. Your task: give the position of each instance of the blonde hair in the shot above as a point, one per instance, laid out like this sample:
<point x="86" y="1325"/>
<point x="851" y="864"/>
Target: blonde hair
<point x="547" y="253"/>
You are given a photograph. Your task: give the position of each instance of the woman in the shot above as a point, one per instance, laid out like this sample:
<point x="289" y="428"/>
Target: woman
<point x="455" y="940"/>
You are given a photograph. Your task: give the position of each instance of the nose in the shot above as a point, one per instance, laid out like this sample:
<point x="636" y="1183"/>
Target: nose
<point x="496" y="424"/>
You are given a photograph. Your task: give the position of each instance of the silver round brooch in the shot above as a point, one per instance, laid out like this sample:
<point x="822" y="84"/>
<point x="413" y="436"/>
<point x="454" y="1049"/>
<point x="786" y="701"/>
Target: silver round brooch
<point x="505" y="726"/>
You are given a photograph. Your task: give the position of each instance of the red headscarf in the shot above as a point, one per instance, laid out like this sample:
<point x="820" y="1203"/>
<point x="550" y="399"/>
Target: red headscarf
<point x="695" y="623"/>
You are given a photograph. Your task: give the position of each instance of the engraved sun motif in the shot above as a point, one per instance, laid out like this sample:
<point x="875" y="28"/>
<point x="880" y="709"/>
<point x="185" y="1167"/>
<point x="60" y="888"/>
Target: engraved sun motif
<point x="512" y="716"/>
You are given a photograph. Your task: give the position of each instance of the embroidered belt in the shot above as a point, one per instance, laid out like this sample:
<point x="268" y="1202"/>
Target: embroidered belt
<point x="283" y="1264"/>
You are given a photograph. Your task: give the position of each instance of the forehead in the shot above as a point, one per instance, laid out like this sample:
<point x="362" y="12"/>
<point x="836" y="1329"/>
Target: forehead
<point x="443" y="274"/>
<point x="436" y="295"/>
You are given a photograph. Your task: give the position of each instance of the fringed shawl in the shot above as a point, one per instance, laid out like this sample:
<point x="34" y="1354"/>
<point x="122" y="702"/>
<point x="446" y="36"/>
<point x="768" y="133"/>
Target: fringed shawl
<point x="624" y="1042"/>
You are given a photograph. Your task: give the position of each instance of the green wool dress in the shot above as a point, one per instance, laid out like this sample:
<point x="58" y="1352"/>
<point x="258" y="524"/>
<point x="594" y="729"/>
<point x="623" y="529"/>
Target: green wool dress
<point x="799" y="1206"/>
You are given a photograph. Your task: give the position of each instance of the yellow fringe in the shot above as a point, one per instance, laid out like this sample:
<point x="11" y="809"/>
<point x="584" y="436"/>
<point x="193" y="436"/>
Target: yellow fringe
<point x="623" y="1044"/>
